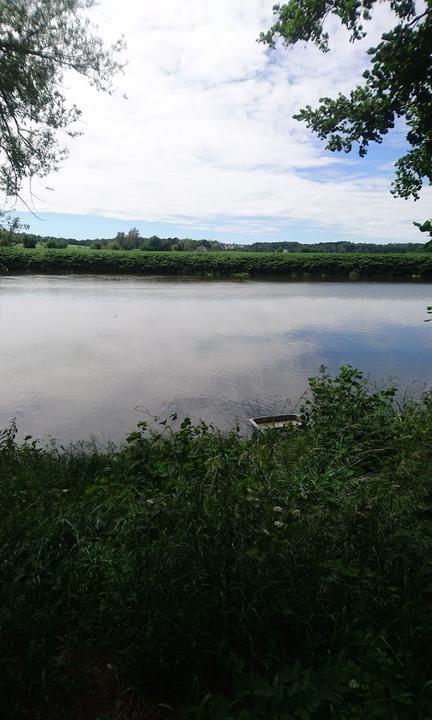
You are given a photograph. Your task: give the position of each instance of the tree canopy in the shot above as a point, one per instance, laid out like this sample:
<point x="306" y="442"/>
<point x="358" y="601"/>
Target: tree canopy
<point x="397" y="84"/>
<point x="39" y="41"/>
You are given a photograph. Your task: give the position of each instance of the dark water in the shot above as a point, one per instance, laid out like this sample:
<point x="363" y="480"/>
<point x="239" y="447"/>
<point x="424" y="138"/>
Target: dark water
<point x="83" y="356"/>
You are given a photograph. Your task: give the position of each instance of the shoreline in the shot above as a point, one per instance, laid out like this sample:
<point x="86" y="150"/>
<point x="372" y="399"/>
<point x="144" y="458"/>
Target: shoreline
<point x="286" y="267"/>
<point x="123" y="569"/>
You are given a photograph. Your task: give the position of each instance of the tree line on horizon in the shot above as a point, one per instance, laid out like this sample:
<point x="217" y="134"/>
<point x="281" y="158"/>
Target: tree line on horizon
<point x="132" y="240"/>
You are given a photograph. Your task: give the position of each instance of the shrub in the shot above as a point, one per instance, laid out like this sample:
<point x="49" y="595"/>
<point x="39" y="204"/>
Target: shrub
<point x="29" y="242"/>
<point x="286" y="575"/>
<point x="57" y="243"/>
<point x="284" y="265"/>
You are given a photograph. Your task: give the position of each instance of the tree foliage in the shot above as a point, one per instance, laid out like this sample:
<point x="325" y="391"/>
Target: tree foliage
<point x="397" y="84"/>
<point x="39" y="41"/>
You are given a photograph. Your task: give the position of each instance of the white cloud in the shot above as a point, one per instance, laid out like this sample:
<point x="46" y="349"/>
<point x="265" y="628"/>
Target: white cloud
<point x="207" y="134"/>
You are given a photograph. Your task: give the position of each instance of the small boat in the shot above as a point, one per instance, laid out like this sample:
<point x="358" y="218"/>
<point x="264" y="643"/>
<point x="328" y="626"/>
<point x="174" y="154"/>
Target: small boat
<point x="275" y="422"/>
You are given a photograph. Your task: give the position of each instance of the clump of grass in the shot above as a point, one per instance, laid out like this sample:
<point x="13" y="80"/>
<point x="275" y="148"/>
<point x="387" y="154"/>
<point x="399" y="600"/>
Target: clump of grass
<point x="284" y="576"/>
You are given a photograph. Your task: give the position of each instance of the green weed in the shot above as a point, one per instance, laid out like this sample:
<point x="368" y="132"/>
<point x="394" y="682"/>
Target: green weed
<point x="283" y="576"/>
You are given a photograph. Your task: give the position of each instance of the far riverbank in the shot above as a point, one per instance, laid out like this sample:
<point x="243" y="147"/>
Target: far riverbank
<point x="289" y="266"/>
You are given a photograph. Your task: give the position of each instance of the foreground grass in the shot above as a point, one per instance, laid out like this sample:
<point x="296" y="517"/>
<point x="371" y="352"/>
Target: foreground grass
<point x="396" y="266"/>
<point x="286" y="576"/>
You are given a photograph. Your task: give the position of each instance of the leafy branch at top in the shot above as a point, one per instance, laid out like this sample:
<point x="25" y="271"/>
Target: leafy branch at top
<point x="39" y="41"/>
<point x="398" y="83"/>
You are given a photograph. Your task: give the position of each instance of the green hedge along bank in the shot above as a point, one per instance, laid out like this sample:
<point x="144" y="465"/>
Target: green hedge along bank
<point x="319" y="266"/>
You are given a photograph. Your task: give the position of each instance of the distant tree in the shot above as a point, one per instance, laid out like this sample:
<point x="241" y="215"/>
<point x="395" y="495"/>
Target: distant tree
<point x="129" y="240"/>
<point x="29" y="242"/>
<point x="133" y="239"/>
<point x="178" y="245"/>
<point x="155" y="243"/>
<point x="39" y="41"/>
<point x="215" y="245"/>
<point x="57" y="243"/>
<point x="96" y="245"/>
<point x="398" y="83"/>
<point x="188" y="245"/>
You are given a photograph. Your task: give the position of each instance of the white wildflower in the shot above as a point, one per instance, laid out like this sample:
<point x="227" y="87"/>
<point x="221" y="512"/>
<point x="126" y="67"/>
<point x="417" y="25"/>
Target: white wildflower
<point x="279" y="523"/>
<point x="277" y="508"/>
<point x="150" y="502"/>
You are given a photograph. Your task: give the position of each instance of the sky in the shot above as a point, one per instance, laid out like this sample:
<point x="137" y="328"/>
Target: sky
<point x="198" y="138"/>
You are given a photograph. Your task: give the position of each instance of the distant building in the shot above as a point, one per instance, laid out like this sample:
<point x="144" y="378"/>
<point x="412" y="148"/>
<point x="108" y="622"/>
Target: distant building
<point x="229" y="246"/>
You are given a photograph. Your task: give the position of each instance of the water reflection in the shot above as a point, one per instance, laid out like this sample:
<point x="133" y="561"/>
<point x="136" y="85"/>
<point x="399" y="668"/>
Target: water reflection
<point x="82" y="356"/>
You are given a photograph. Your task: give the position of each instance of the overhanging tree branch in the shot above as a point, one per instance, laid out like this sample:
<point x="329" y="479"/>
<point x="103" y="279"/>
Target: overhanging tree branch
<point x="397" y="84"/>
<point x="39" y="41"/>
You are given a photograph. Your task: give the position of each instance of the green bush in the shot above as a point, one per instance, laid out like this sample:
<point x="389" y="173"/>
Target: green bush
<point x="282" y="576"/>
<point x="29" y="243"/>
<point x="315" y="266"/>
<point x="57" y="243"/>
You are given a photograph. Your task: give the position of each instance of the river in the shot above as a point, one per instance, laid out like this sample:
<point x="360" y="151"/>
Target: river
<point x="91" y="356"/>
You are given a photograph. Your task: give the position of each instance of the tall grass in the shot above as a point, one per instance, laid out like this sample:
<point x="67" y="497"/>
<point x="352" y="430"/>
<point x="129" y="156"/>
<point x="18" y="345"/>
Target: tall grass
<point x="283" y="576"/>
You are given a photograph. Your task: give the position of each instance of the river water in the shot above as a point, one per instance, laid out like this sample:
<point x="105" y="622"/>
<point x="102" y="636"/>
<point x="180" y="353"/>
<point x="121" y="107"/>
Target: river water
<point x="91" y="356"/>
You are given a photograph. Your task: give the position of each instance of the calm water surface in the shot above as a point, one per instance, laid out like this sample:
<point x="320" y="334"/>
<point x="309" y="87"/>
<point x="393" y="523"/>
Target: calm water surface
<point x="83" y="356"/>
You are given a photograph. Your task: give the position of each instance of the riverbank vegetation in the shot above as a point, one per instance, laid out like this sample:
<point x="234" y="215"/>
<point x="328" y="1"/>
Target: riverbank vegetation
<point x="194" y="574"/>
<point x="317" y="266"/>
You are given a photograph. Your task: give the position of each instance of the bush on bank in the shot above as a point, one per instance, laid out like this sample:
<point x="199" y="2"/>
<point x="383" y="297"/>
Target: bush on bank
<point x="282" y="576"/>
<point x="396" y="266"/>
